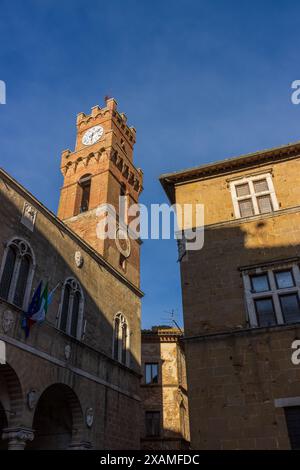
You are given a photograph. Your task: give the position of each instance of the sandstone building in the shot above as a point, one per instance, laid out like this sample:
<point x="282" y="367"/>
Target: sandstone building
<point x="164" y="410"/>
<point x="241" y="300"/>
<point x="74" y="382"/>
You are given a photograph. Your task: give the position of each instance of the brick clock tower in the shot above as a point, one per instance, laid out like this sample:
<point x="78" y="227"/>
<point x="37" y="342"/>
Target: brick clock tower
<point x="99" y="171"/>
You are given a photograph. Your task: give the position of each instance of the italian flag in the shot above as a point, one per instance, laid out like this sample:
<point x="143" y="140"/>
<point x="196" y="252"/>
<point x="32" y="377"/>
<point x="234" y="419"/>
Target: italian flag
<point x="39" y="312"/>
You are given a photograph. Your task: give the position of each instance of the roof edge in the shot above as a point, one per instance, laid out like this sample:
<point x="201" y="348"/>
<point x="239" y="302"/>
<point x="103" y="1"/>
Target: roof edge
<point x="168" y="180"/>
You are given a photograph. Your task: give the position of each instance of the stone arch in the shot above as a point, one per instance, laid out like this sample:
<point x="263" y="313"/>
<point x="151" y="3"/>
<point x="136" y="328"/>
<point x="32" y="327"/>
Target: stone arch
<point x="22" y="249"/>
<point x="11" y="401"/>
<point x="75" y="287"/>
<point x="121" y="343"/>
<point x="11" y="395"/>
<point x="58" y="419"/>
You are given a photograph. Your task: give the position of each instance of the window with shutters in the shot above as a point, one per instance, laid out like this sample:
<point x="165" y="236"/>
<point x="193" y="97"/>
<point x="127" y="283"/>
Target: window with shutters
<point x="70" y="318"/>
<point x="253" y="195"/>
<point x="273" y="295"/>
<point x="152" y="423"/>
<point x="17" y="272"/>
<point x="121" y="339"/>
<point x="292" y="416"/>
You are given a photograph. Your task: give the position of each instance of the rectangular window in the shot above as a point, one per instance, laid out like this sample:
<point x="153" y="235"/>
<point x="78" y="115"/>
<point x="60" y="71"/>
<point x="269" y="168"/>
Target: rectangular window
<point x="284" y="279"/>
<point x="151" y="373"/>
<point x="253" y="195"/>
<point x="292" y="416"/>
<point x="242" y="190"/>
<point x="260" y="186"/>
<point x="273" y="296"/>
<point x="85" y="185"/>
<point x="264" y="204"/>
<point x="260" y="283"/>
<point x="152" y="423"/>
<point x="246" y="208"/>
<point x="290" y="308"/>
<point x="265" y="312"/>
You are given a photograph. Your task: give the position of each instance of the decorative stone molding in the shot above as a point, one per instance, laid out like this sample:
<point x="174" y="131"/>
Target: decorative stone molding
<point x="28" y="216"/>
<point x="285" y="402"/>
<point x="17" y="437"/>
<point x="118" y="161"/>
<point x="83" y="445"/>
<point x="68" y="165"/>
<point x="68" y="351"/>
<point x="89" y="417"/>
<point x="8" y="321"/>
<point x="32" y="399"/>
<point x="78" y="259"/>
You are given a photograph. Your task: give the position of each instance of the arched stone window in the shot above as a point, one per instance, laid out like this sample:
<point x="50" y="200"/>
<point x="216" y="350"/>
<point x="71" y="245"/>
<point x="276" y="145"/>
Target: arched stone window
<point x="17" y="272"/>
<point x="121" y="339"/>
<point x="70" y="316"/>
<point x="84" y="193"/>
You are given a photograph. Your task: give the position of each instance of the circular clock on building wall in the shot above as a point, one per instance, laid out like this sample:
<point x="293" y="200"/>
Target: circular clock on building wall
<point x="123" y="242"/>
<point x="92" y="135"/>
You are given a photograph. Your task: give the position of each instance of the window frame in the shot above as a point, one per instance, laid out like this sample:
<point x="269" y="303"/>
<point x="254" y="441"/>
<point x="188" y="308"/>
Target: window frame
<point x="153" y="412"/>
<point x="288" y="419"/>
<point x="17" y="242"/>
<point x="275" y="293"/>
<point x="286" y="295"/>
<point x="84" y="182"/>
<point x="122" y="321"/>
<point x="74" y="288"/>
<point x="265" y="297"/>
<point x="145" y="373"/>
<point x="253" y="196"/>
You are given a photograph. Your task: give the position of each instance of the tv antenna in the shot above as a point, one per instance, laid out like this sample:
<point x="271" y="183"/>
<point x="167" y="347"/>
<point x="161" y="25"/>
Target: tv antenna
<point x="172" y="316"/>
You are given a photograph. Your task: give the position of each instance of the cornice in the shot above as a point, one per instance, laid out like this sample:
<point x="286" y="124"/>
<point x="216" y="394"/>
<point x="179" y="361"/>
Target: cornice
<point x="229" y="165"/>
<point x="161" y="335"/>
<point x="133" y="175"/>
<point x="252" y="218"/>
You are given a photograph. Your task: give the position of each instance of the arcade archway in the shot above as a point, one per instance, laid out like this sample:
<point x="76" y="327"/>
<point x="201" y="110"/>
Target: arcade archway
<point x="57" y="420"/>
<point x="11" y="401"/>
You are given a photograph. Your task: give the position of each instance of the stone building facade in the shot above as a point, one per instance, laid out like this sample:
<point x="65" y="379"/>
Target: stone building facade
<point x="74" y="381"/>
<point x="241" y="300"/>
<point x="164" y="411"/>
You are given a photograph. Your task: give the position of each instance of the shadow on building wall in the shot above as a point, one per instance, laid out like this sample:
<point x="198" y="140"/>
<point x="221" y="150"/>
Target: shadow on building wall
<point x="164" y="401"/>
<point x="236" y="371"/>
<point x="61" y="398"/>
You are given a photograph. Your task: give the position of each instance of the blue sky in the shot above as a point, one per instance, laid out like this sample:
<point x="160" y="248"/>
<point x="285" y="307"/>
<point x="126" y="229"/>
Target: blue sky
<point x="200" y="80"/>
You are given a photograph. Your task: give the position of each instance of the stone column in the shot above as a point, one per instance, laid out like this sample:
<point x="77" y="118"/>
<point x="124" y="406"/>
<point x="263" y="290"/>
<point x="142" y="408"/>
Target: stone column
<point x="83" y="445"/>
<point x="17" y="437"/>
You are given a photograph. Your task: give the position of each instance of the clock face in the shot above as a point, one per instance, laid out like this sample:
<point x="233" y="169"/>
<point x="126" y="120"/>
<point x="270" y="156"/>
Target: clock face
<point x="92" y="135"/>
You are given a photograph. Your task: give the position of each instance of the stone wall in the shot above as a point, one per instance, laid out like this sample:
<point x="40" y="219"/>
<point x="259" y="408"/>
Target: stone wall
<point x="99" y="383"/>
<point x="237" y="373"/>
<point x="162" y="346"/>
